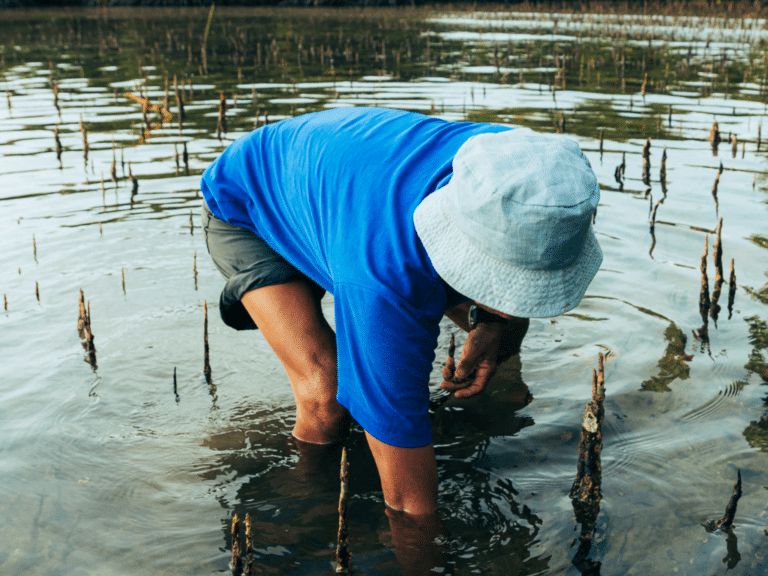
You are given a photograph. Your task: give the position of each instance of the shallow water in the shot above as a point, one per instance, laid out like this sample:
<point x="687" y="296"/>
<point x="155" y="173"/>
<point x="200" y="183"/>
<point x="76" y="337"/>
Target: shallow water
<point x="106" y="469"/>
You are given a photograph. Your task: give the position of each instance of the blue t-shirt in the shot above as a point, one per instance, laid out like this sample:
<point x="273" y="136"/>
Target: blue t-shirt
<point x="334" y="193"/>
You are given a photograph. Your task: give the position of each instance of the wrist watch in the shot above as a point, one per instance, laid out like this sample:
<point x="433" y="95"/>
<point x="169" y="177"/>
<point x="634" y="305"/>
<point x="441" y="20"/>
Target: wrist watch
<point x="478" y="315"/>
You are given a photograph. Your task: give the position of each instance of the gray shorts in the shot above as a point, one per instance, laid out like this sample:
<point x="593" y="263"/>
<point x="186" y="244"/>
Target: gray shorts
<point x="247" y="262"/>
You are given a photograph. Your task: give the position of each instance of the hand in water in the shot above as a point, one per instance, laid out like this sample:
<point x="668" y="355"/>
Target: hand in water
<point x="485" y="347"/>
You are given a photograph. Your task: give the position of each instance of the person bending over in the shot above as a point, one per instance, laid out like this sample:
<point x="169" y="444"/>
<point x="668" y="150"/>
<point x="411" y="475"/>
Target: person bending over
<point x="404" y="218"/>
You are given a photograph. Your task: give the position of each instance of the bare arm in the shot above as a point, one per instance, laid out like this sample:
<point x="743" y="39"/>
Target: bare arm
<point x="460" y="315"/>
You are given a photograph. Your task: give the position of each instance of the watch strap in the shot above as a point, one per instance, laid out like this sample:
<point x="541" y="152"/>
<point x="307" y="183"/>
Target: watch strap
<point x="478" y="315"/>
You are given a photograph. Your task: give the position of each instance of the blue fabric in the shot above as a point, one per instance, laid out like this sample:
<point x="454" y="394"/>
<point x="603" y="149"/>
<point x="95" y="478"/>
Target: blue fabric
<point x="334" y="193"/>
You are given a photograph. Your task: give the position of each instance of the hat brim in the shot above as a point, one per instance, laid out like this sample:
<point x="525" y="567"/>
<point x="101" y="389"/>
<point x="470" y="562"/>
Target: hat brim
<point x="493" y="282"/>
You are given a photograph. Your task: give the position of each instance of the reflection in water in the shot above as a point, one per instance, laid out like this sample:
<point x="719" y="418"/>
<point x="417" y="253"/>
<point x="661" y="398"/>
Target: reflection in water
<point x="290" y="489"/>
<point x="724" y="524"/>
<point x="581" y="559"/>
<point x="732" y="555"/>
<point x="417" y="542"/>
<point x="673" y="363"/>
<point x="756" y="432"/>
<point x="731" y="290"/>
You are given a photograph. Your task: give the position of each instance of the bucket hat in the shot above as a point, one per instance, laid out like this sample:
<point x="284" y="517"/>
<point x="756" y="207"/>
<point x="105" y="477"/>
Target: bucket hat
<point x="513" y="228"/>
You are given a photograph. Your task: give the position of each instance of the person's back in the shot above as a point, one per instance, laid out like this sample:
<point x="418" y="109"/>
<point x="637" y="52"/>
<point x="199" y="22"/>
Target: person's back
<point x="334" y="193"/>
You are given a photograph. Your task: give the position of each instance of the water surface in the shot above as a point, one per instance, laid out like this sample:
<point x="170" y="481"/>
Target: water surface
<point x="106" y="469"/>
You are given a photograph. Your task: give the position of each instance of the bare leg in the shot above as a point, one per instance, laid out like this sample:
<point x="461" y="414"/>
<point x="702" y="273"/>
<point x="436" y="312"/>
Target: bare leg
<point x="297" y="331"/>
<point x="408" y="476"/>
<point x="414" y="539"/>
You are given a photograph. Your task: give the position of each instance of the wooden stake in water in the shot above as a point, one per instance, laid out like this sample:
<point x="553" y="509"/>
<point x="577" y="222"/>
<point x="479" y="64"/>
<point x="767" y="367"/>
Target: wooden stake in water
<point x="191" y="223"/>
<point x="101" y="232"/>
<point x="248" y="568"/>
<point x="145" y="116"/>
<point x="204" y="60"/>
<point x="704" y="293"/>
<point x="585" y="492"/>
<point x="342" y="551"/>
<point x="179" y="102"/>
<point x="85" y="332"/>
<point x="734" y="146"/>
<point x="5" y="302"/>
<point x="717" y="255"/>
<point x="185" y="158"/>
<point x="759" y="127"/>
<point x="731" y="291"/>
<point x="714" y="138"/>
<point x="221" y="124"/>
<point x="715" y="186"/>
<point x="37" y="291"/>
<point x="82" y="318"/>
<point x="206" y="356"/>
<point x="122" y="275"/>
<point x="175" y="388"/>
<point x="34" y="247"/>
<point x="134" y="183"/>
<point x="194" y="268"/>
<point x="56" y="97"/>
<point x="663" y="170"/>
<point x="717" y="249"/>
<point x="647" y="162"/>
<point x="59" y="148"/>
<point x="602" y="133"/>
<point x="86" y="147"/>
<point x="236" y="563"/>
<point x="618" y="174"/>
<point x="176" y="154"/>
<point x="726" y="521"/>
<point x="208" y="24"/>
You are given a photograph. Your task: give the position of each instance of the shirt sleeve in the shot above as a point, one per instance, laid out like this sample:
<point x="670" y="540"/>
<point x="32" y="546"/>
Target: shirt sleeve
<point x="385" y="350"/>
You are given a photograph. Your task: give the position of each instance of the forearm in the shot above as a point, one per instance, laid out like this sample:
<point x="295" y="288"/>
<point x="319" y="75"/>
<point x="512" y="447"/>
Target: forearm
<point x="460" y="315"/>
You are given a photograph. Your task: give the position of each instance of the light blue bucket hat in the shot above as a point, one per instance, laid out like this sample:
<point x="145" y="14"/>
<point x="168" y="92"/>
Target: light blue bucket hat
<point x="513" y="228"/>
